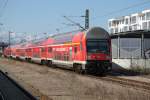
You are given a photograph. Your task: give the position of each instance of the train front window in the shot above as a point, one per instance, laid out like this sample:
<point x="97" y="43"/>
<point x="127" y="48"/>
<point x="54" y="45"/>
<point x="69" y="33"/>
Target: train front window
<point x="98" y="46"/>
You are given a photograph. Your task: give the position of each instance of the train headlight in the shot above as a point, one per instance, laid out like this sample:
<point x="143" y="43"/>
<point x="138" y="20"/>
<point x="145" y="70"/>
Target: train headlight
<point x="108" y="57"/>
<point x="88" y="57"/>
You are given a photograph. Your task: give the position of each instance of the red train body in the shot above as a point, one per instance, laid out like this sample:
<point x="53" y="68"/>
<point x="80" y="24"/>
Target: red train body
<point x="87" y="51"/>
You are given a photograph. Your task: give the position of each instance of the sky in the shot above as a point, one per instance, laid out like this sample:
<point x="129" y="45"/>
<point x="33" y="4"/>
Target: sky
<point x="46" y="16"/>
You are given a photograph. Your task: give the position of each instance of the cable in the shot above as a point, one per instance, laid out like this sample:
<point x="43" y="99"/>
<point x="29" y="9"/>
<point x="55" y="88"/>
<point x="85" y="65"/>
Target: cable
<point x="126" y="8"/>
<point x="77" y="24"/>
<point x="76" y="16"/>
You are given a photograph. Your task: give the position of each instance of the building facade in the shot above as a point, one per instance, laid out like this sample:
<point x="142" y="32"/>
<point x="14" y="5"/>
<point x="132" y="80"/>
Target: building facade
<point x="135" y="44"/>
<point x="133" y="22"/>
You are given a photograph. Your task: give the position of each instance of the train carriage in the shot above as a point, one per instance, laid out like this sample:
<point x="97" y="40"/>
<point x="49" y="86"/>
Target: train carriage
<point x="87" y="51"/>
<point x="46" y="51"/>
<point x="83" y="51"/>
<point x="29" y="47"/>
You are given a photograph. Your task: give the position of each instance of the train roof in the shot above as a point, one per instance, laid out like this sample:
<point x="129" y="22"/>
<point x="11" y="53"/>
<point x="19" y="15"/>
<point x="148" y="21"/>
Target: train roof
<point x="97" y="33"/>
<point x="92" y="33"/>
<point x="47" y="42"/>
<point x="64" y="37"/>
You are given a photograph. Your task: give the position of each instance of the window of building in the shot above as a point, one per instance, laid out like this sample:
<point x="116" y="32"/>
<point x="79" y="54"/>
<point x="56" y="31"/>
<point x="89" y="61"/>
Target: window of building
<point x="143" y="17"/>
<point x="109" y="24"/>
<point x="134" y="27"/>
<point x="148" y="16"/>
<point x="144" y="25"/>
<point x="116" y="30"/>
<point x="125" y="28"/>
<point x="113" y="23"/>
<point x="111" y="30"/>
<point x="133" y="19"/>
<point x="123" y="21"/>
<point x="126" y="21"/>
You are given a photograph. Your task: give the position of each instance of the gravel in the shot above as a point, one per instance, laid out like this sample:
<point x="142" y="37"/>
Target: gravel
<point x="58" y="84"/>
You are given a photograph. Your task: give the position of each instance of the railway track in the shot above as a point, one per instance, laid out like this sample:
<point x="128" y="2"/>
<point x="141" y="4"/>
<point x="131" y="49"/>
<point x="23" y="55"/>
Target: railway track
<point x="144" y="86"/>
<point x="111" y="77"/>
<point x="10" y="90"/>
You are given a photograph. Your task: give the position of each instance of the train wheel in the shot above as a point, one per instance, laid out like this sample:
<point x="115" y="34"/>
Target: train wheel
<point x="49" y="63"/>
<point x="26" y="59"/>
<point x="29" y="60"/>
<point x="78" y="69"/>
<point x="42" y="62"/>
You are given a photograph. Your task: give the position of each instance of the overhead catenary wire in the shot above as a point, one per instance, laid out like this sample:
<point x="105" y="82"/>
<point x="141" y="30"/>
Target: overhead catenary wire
<point x="122" y="9"/>
<point x="77" y="24"/>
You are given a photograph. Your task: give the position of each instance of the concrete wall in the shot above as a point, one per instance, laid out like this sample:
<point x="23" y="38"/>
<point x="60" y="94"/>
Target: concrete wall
<point x="131" y="63"/>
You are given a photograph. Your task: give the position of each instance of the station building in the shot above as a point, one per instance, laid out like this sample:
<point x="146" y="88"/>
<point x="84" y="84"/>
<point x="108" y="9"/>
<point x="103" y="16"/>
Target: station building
<point x="136" y="21"/>
<point x="134" y="44"/>
<point x="131" y="40"/>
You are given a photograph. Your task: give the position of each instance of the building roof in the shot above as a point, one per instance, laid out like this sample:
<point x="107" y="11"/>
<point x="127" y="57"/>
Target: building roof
<point x="132" y="34"/>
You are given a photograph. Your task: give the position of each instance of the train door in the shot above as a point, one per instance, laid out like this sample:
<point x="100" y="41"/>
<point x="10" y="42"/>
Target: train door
<point x="43" y="52"/>
<point x="76" y="52"/>
<point x="70" y="53"/>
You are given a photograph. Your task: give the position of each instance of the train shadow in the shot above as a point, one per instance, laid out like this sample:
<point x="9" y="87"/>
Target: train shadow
<point x="116" y="70"/>
<point x="120" y="71"/>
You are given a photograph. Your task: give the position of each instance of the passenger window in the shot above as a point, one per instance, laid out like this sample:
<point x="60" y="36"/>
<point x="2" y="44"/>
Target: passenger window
<point x="42" y="49"/>
<point x="49" y="49"/>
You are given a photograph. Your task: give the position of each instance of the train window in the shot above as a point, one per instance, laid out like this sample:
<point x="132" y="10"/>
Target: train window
<point x="49" y="49"/>
<point x="28" y="50"/>
<point x="43" y="49"/>
<point x="66" y="57"/>
<point x="17" y="50"/>
<point x="98" y="46"/>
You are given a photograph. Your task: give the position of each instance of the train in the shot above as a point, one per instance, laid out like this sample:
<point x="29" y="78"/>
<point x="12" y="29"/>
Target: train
<point x="86" y="51"/>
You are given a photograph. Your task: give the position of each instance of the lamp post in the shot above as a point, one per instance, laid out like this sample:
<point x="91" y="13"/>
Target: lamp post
<point x="9" y="43"/>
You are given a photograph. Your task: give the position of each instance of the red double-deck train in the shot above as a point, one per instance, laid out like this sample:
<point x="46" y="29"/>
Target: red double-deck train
<point x="85" y="51"/>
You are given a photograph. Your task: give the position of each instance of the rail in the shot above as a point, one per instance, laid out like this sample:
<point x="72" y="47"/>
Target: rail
<point x="126" y="82"/>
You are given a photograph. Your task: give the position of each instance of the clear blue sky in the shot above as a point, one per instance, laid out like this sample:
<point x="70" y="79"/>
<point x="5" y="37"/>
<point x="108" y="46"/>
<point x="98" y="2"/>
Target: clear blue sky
<point x="46" y="15"/>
